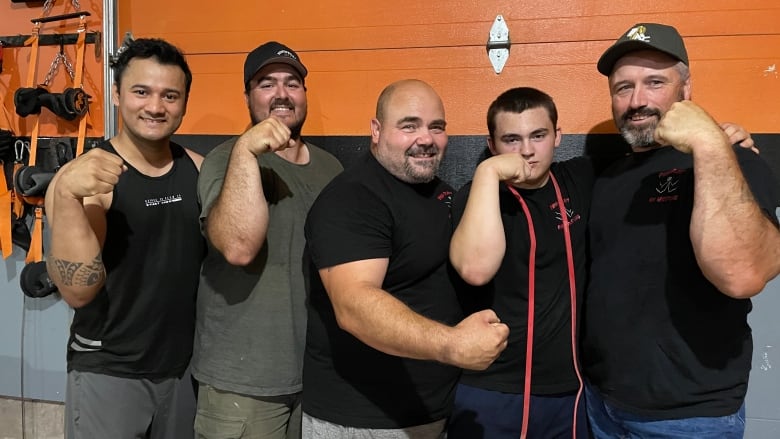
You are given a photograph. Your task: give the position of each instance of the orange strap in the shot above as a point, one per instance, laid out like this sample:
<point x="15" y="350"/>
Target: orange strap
<point x="6" y="241"/>
<point x="81" y="48"/>
<point x="36" y="238"/>
<point x="33" y="42"/>
<point x="35" y="254"/>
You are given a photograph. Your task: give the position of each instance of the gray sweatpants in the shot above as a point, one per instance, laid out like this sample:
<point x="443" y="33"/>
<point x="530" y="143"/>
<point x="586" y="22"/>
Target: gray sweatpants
<point x="100" y="406"/>
<point x="314" y="428"/>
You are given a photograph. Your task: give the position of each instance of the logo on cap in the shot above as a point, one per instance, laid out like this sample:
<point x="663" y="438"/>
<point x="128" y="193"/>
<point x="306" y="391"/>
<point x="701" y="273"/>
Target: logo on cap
<point x="638" y="34"/>
<point x="286" y="53"/>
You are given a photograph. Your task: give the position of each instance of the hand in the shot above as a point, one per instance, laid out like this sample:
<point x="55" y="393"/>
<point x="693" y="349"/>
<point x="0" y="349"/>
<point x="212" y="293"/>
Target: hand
<point x="510" y="168"/>
<point x="268" y="135"/>
<point x="95" y="172"/>
<point x="739" y="136"/>
<point x="686" y="125"/>
<point x="478" y="340"/>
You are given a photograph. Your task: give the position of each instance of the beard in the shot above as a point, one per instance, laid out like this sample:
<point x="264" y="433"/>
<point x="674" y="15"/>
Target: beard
<point x="409" y="172"/>
<point x="422" y="172"/>
<point x="295" y="128"/>
<point x="639" y="136"/>
<point x="642" y="136"/>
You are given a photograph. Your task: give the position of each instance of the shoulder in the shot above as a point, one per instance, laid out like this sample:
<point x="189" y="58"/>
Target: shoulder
<point x="196" y="158"/>
<point x="578" y="169"/>
<point x="105" y="145"/>
<point x="217" y="158"/>
<point x="320" y="156"/>
<point x="580" y="164"/>
<point x="182" y="154"/>
<point x="350" y="193"/>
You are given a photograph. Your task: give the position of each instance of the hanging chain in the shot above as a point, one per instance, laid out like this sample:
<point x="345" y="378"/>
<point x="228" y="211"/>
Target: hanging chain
<point x="55" y="66"/>
<point x="48" y="4"/>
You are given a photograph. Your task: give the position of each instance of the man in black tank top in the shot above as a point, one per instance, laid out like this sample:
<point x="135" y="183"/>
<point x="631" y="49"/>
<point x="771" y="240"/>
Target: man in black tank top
<point x="126" y="252"/>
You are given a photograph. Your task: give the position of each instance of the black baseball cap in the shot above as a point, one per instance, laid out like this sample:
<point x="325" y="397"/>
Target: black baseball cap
<point x="644" y="36"/>
<point x="269" y="53"/>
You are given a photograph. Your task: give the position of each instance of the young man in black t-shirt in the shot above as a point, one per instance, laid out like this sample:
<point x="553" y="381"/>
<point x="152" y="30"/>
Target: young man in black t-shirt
<point x="511" y="205"/>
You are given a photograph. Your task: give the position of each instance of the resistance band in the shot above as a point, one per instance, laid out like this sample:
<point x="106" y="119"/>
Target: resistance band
<point x="531" y="304"/>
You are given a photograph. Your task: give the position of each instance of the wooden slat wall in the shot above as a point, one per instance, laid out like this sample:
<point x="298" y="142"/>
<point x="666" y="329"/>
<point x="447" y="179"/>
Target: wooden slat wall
<point x="15" y="20"/>
<point x="354" y="48"/>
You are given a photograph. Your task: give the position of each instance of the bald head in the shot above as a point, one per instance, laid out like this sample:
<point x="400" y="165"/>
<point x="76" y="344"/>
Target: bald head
<point x="408" y="134"/>
<point x="405" y="88"/>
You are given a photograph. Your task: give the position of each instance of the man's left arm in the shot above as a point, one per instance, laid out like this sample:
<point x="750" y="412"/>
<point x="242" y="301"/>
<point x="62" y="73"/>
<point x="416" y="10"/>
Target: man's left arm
<point x="737" y="246"/>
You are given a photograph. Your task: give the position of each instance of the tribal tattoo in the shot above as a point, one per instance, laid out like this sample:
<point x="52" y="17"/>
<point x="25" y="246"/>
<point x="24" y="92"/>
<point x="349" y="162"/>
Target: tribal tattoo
<point x="79" y="274"/>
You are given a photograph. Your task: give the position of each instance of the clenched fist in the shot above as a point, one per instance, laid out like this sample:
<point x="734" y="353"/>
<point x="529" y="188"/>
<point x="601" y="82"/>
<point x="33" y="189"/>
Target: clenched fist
<point x="686" y="126"/>
<point x="508" y="168"/>
<point x="95" y="172"/>
<point x="478" y="340"/>
<point x="268" y="135"/>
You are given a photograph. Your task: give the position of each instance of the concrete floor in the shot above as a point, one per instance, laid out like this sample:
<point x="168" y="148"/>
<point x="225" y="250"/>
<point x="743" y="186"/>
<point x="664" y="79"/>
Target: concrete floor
<point x="42" y="420"/>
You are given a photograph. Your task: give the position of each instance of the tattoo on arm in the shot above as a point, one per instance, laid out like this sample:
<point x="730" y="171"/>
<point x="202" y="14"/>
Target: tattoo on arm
<point x="79" y="274"/>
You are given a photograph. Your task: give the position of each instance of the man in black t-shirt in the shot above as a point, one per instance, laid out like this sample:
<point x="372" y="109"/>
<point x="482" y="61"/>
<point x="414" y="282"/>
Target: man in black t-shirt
<point x="680" y="238"/>
<point x="385" y="337"/>
<point x="512" y="204"/>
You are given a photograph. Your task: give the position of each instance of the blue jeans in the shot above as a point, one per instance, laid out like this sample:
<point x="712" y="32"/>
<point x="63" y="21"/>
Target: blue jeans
<point x="606" y="421"/>
<point x="487" y="414"/>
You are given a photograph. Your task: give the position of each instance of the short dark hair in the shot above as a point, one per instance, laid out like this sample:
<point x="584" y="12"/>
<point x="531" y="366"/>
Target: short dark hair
<point x="517" y="100"/>
<point x="164" y="52"/>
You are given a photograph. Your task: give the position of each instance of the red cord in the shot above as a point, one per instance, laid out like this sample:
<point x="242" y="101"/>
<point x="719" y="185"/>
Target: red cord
<point x="531" y="302"/>
<point x="573" y="295"/>
<point x="529" y="341"/>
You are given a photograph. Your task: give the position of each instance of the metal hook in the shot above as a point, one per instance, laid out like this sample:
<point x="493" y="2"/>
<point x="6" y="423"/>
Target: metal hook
<point x="19" y="147"/>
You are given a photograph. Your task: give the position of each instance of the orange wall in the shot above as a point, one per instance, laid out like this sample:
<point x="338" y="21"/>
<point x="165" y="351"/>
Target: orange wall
<point x="353" y="48"/>
<point x="15" y="20"/>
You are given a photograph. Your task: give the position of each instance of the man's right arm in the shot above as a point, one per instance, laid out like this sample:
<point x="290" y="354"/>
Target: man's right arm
<point x="478" y="244"/>
<point x="237" y="222"/>
<point x="76" y="204"/>
<point x="383" y="322"/>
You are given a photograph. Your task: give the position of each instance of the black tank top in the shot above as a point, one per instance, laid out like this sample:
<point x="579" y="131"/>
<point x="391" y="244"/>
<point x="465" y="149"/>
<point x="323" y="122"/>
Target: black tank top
<point x="141" y="324"/>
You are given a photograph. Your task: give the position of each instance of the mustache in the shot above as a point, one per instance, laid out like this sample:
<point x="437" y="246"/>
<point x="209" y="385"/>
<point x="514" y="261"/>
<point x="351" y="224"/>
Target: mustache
<point x="642" y="112"/>
<point x="423" y="149"/>
<point x="282" y="102"/>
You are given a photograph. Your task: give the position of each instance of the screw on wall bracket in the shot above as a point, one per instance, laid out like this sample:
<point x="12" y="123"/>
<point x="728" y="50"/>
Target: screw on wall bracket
<point x="498" y="44"/>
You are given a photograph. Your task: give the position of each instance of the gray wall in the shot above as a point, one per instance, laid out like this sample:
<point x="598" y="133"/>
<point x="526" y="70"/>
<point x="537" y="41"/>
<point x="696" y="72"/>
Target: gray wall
<point x="38" y="328"/>
<point x="763" y="401"/>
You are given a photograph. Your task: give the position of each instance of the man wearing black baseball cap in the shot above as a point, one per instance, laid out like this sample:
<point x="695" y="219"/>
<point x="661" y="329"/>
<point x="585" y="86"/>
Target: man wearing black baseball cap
<point x="270" y="53"/>
<point x="682" y="234"/>
<point x="255" y="190"/>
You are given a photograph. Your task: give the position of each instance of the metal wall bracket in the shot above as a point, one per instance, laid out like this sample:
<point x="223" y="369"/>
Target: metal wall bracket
<point x="498" y="44"/>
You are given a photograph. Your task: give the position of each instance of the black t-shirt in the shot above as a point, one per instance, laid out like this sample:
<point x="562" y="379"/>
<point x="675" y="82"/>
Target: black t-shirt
<point x="366" y="213"/>
<point x="659" y="339"/>
<point x="507" y="293"/>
